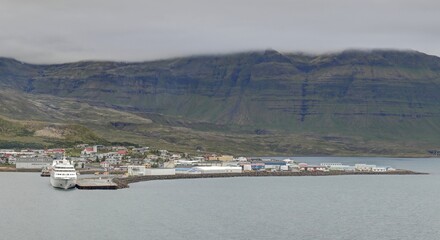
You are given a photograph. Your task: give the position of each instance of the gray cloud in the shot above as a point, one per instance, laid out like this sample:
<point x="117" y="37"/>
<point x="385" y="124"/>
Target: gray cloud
<point x="53" y="31"/>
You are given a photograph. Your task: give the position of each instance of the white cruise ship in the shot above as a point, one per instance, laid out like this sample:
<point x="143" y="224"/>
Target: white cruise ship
<point x="63" y="174"/>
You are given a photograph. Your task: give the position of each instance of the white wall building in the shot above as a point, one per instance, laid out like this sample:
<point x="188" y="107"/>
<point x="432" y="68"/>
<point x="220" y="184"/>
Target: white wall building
<point x="341" y="167"/>
<point x="379" y="169"/>
<point x="312" y="168"/>
<point x="247" y="167"/>
<point x="331" y="164"/>
<point x="217" y="169"/>
<point x="198" y="159"/>
<point x="134" y="170"/>
<point x="160" y="171"/>
<point x="33" y="163"/>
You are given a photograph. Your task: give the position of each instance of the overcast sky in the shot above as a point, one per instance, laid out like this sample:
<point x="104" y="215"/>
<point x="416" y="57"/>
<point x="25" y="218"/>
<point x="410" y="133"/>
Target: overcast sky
<point x="54" y="31"/>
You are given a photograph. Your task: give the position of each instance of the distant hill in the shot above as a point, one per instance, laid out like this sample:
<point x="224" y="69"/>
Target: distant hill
<point x="379" y="102"/>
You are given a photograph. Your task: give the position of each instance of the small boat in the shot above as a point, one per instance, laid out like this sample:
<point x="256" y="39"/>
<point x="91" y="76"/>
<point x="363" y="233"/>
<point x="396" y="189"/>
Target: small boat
<point x="45" y="172"/>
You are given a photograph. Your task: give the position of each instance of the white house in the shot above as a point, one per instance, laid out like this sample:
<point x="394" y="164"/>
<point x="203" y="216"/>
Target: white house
<point x="364" y="167"/>
<point x="12" y="160"/>
<point x="89" y="150"/>
<point x="163" y="153"/>
<point x="105" y="164"/>
<point x="113" y="160"/>
<point x="152" y="157"/>
<point x="240" y="159"/>
<point x="175" y="157"/>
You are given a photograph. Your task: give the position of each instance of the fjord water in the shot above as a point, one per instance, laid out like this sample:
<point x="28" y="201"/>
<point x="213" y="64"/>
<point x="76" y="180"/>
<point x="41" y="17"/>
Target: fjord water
<point x="330" y="207"/>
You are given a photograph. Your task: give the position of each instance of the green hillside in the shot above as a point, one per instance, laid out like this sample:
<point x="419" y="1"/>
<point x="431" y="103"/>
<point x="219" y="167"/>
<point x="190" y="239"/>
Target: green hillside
<point x="25" y="134"/>
<point x="355" y="102"/>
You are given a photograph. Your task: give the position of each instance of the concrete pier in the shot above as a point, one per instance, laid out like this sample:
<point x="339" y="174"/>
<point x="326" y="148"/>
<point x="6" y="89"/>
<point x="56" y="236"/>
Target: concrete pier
<point x="96" y="183"/>
<point x="123" y="182"/>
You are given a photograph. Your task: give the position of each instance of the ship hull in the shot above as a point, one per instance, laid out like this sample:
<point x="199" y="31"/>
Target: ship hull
<point x="63" y="183"/>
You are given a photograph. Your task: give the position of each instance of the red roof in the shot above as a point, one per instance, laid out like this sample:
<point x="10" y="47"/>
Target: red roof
<point x="122" y="152"/>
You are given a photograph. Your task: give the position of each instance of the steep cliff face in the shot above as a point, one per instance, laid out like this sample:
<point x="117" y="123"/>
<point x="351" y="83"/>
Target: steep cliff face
<point x="373" y="94"/>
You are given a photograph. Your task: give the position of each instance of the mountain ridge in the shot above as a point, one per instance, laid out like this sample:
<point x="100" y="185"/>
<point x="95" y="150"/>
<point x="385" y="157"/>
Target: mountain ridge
<point x="376" y="95"/>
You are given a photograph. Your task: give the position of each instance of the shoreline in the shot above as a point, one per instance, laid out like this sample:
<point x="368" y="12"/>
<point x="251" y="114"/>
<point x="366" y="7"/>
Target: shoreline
<point x="13" y="169"/>
<point x="125" y="181"/>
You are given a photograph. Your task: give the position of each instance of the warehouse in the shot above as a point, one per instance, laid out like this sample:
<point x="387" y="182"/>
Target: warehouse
<point x="33" y="162"/>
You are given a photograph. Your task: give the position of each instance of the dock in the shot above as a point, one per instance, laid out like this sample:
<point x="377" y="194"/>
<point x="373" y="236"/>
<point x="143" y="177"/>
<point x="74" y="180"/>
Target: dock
<point x="96" y="183"/>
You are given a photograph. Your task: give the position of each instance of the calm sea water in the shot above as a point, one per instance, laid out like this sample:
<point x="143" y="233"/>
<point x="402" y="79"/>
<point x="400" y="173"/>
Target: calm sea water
<point x="331" y="207"/>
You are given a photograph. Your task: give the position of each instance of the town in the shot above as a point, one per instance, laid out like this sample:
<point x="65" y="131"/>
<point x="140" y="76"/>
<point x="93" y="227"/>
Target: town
<point x="142" y="161"/>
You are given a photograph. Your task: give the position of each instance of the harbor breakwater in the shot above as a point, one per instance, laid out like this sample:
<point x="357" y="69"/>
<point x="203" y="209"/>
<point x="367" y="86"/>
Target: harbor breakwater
<point x="123" y="182"/>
